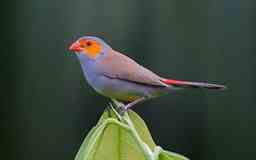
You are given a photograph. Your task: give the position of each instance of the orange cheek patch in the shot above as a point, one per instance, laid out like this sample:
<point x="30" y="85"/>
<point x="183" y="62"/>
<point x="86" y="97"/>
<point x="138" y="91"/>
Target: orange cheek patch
<point x="93" y="50"/>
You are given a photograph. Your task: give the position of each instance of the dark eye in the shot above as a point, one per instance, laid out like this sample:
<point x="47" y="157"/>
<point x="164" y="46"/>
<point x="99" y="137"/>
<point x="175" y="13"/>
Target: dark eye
<point x="88" y="43"/>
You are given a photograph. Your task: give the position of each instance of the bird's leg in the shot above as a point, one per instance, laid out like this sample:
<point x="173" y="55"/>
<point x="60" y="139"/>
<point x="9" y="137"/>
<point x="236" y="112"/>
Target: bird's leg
<point x="124" y="108"/>
<point x="129" y="105"/>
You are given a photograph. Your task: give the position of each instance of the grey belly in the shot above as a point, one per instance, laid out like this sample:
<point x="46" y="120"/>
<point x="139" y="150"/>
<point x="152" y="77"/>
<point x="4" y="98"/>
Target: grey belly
<point x="125" y="90"/>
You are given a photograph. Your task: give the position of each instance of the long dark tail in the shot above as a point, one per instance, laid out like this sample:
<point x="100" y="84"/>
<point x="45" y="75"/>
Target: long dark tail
<point x="187" y="84"/>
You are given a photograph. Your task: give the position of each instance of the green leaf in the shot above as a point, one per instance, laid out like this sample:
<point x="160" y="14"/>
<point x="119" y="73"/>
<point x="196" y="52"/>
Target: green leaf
<point x="142" y="129"/>
<point x="117" y="143"/>
<point x="111" y="140"/>
<point x="122" y="138"/>
<point x="84" y="145"/>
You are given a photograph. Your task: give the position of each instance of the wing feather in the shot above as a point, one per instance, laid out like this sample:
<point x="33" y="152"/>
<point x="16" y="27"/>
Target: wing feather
<point x="119" y="66"/>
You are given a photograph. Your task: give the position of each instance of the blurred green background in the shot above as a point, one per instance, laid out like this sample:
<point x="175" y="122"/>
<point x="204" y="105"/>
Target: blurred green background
<point x="47" y="107"/>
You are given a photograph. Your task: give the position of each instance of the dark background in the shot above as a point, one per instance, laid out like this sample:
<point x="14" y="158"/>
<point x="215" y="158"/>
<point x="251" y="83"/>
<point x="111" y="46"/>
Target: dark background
<point x="47" y="107"/>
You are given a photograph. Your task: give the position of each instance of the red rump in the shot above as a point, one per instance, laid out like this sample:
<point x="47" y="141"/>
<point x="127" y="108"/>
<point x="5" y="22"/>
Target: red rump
<point x="173" y="82"/>
<point x="186" y="84"/>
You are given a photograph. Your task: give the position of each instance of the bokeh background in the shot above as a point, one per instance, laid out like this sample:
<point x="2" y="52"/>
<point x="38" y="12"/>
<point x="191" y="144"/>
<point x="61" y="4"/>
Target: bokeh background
<point x="47" y="107"/>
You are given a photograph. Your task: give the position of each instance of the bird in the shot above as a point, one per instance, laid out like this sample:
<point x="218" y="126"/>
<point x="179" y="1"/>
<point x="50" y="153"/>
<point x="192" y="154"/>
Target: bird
<point x="120" y="78"/>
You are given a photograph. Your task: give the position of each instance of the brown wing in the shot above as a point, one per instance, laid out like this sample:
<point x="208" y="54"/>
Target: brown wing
<point x="117" y="65"/>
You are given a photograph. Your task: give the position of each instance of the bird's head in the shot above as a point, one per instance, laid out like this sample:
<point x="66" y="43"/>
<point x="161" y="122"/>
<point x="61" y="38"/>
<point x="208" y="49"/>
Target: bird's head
<point x="89" y="46"/>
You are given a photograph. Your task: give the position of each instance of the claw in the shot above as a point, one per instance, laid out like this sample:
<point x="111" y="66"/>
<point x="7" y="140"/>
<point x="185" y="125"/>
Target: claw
<point x="123" y="109"/>
<point x="120" y="107"/>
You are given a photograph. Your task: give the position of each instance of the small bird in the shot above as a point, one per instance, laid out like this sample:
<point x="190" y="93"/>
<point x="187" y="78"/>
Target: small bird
<point x="120" y="78"/>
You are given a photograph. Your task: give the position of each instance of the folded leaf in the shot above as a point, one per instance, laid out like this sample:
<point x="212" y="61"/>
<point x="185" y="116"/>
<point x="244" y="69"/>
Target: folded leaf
<point x="115" y="139"/>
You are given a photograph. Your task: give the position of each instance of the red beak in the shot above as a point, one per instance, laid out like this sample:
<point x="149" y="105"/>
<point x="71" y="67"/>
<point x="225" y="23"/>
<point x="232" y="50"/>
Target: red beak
<point x="75" y="47"/>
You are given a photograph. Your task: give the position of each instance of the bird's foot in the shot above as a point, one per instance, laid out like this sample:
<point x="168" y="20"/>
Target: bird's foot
<point x="123" y="109"/>
<point x="120" y="107"/>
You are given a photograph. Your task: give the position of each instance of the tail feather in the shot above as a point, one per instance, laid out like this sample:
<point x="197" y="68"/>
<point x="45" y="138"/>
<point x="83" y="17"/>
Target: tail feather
<point x="186" y="84"/>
